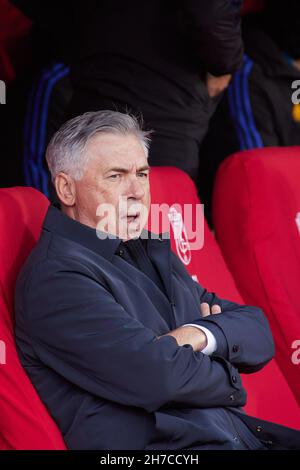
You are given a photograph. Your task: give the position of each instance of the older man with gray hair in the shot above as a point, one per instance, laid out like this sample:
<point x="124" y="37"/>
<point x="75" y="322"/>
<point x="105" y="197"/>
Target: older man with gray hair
<point x="123" y="347"/>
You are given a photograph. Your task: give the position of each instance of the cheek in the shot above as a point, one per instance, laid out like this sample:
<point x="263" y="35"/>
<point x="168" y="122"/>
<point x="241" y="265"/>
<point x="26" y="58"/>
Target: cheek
<point x="91" y="197"/>
<point x="91" y="205"/>
<point x="107" y="197"/>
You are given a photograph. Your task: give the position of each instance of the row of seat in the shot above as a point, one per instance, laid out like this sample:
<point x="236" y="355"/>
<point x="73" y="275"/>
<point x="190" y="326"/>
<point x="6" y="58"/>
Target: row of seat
<point x="247" y="228"/>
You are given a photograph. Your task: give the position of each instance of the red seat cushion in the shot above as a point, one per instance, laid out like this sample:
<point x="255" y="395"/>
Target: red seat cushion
<point x="269" y="395"/>
<point x="25" y="422"/>
<point x="257" y="221"/>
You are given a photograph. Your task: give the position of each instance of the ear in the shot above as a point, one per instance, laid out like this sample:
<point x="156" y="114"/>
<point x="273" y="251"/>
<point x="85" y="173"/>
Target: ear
<point x="65" y="189"/>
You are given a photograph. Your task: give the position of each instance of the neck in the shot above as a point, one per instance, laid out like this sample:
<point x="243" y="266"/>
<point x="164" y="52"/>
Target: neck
<point x="75" y="214"/>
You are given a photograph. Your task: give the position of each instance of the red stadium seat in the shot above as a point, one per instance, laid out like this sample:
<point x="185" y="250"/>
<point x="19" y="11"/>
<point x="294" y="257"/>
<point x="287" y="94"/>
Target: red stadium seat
<point x="25" y="422"/>
<point x="257" y="220"/>
<point x="269" y="395"/>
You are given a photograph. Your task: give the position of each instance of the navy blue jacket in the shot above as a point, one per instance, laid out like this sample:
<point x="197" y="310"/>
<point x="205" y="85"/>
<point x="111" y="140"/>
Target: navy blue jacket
<point x="87" y="323"/>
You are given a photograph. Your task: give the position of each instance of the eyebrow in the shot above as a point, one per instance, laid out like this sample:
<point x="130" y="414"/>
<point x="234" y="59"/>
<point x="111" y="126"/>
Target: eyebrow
<point x="126" y="170"/>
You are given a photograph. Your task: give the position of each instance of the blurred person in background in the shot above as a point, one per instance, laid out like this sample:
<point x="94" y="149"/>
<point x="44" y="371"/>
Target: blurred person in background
<point x="257" y="110"/>
<point x="167" y="60"/>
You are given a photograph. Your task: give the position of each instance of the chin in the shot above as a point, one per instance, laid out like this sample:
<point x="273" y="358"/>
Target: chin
<point x="131" y="232"/>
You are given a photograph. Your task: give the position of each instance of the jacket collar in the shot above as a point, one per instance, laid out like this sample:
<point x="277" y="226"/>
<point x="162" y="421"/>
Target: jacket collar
<point x="57" y="222"/>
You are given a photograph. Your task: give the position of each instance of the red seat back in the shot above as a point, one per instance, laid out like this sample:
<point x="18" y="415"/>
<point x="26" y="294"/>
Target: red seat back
<point x="257" y="221"/>
<point x="25" y="422"/>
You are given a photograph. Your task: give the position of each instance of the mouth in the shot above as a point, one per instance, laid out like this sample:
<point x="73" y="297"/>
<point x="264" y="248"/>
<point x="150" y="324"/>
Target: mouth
<point x="132" y="218"/>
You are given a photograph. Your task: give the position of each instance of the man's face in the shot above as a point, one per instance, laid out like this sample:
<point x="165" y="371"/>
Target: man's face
<point x="113" y="194"/>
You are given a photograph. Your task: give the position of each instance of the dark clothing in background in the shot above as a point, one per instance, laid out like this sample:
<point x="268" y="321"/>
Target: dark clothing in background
<point x="93" y="355"/>
<point x="270" y="91"/>
<point x="256" y="111"/>
<point x="155" y="31"/>
<point x="281" y="21"/>
<point x="150" y="58"/>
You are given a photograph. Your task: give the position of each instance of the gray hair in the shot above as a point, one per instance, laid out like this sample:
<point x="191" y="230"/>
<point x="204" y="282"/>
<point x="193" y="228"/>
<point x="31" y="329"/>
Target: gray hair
<point x="65" y="151"/>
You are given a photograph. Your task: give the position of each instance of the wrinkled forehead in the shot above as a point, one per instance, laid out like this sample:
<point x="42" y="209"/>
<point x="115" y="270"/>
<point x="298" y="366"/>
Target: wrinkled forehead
<point x="109" y="150"/>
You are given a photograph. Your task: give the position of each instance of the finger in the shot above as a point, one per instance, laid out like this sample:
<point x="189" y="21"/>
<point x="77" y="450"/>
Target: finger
<point x="216" y="309"/>
<point x="205" y="309"/>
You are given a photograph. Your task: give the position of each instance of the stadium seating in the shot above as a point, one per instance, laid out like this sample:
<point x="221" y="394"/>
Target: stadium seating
<point x="257" y="220"/>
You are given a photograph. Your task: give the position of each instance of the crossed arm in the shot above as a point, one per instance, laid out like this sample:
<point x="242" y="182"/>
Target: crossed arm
<point x="191" y="334"/>
<point x="242" y="333"/>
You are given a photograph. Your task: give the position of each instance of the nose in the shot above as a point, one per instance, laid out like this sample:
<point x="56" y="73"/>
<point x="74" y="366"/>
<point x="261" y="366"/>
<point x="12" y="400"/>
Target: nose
<point x="136" y="189"/>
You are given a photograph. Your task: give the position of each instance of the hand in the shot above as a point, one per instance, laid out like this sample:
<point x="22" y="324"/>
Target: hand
<point x="216" y="85"/>
<point x="192" y="335"/>
<point x="189" y="335"/>
<point x="206" y="310"/>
